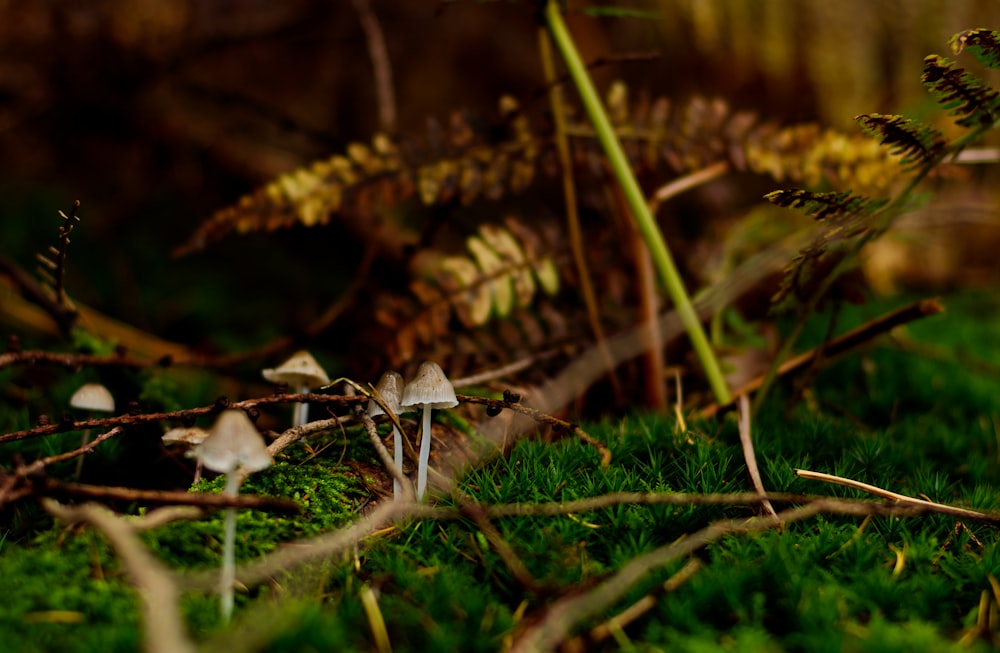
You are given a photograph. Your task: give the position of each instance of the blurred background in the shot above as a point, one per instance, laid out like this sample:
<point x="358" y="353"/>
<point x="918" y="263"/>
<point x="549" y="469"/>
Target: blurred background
<point x="157" y="113"/>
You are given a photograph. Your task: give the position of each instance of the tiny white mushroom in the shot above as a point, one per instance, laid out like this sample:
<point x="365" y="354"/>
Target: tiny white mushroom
<point x="94" y="398"/>
<point x="430" y="389"/>
<point x="300" y="372"/>
<point x="232" y="445"/>
<point x="390" y="386"/>
<point x="191" y="436"/>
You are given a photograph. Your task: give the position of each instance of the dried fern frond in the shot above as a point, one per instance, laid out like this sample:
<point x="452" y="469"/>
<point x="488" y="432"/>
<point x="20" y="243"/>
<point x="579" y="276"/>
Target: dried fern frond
<point x="961" y="93"/>
<point x="52" y="263"/>
<point x="916" y="142"/>
<point x="984" y="44"/>
<point x="821" y="206"/>
<point x="460" y="164"/>
<point x="497" y="279"/>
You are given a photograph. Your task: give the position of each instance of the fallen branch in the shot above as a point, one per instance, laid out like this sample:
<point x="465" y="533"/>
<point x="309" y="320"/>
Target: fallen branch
<point x="887" y="494"/>
<point x="47" y="487"/>
<point x="746" y="441"/>
<point x="838" y="346"/>
<point x="395" y="512"/>
<point x="165" y="630"/>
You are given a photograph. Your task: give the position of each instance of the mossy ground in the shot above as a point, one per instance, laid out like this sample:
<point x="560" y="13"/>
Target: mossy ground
<point x="917" y="422"/>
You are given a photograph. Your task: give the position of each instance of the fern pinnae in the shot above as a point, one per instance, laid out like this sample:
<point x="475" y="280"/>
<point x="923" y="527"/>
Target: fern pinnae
<point x="914" y="141"/>
<point x="821" y="206"/>
<point x="971" y="100"/>
<point x="984" y="44"/>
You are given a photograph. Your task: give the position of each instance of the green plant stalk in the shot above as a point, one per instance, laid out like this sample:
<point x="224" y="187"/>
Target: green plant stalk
<point x="637" y="202"/>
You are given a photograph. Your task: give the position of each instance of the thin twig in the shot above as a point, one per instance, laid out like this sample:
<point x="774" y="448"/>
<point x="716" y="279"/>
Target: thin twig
<point x="165" y="629"/>
<point x="395" y="512"/>
<point x="381" y="67"/>
<point x="502" y="548"/>
<point x="840" y="345"/>
<point x="51" y="488"/>
<point x="685" y="183"/>
<point x="574" y="232"/>
<point x="180" y="415"/>
<point x="746" y="441"/>
<point x="88" y="447"/>
<point x="601" y="632"/>
<point x="543" y="418"/>
<point x="887" y="494"/>
<point x="383" y="454"/>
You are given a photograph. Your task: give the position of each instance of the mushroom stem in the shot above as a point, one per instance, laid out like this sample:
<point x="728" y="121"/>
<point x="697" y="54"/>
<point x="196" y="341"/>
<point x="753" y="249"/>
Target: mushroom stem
<point x="397" y="442"/>
<point x="79" y="460"/>
<point x="425" y="453"/>
<point x="228" y="576"/>
<point x="301" y="415"/>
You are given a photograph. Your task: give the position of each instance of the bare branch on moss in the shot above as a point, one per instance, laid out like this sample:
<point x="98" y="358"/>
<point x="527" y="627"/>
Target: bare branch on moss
<point x="165" y="629"/>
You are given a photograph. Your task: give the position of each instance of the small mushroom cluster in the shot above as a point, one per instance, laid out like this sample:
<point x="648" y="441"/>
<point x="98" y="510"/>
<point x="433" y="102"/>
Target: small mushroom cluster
<point x="430" y="389"/>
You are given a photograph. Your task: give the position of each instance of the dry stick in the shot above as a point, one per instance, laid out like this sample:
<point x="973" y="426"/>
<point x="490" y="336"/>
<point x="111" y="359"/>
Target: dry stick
<point x="31" y="357"/>
<point x="542" y="418"/>
<point x="381" y="67"/>
<point x="502" y="548"/>
<point x="383" y="454"/>
<point x="393" y="512"/>
<point x="572" y="213"/>
<point x="88" y="447"/>
<point x="601" y="632"/>
<point x="189" y="413"/>
<point x="49" y="487"/>
<point x="655" y="380"/>
<point x="35" y="294"/>
<point x="162" y="516"/>
<point x="172" y="354"/>
<point x="504" y="370"/>
<point x="564" y="615"/>
<point x="686" y="183"/>
<point x="302" y="551"/>
<point x="746" y="441"/>
<point x="877" y="491"/>
<point x="841" y="344"/>
<point x="165" y="630"/>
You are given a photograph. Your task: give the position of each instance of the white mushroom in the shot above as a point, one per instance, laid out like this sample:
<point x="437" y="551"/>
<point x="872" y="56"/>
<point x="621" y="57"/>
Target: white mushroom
<point x="390" y="386"/>
<point x="430" y="389"/>
<point x="94" y="398"/>
<point x="232" y="445"/>
<point x="300" y="372"/>
<point x="190" y="436"/>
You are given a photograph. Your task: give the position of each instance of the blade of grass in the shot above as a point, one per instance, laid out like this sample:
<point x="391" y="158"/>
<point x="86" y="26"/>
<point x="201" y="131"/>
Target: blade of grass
<point x="636" y="201"/>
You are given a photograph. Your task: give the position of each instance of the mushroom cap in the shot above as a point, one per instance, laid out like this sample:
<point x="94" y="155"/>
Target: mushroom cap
<point x="191" y="435"/>
<point x="300" y="370"/>
<point x="390" y="386"/>
<point x="430" y="388"/>
<point x="93" y="396"/>
<point x="233" y="443"/>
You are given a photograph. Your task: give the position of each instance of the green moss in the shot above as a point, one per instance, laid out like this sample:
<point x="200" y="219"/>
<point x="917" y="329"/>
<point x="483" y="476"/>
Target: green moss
<point x="328" y="498"/>
<point x="912" y="424"/>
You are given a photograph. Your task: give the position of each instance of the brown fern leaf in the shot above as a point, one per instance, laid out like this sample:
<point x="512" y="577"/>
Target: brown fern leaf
<point x="500" y="278"/>
<point x="459" y="164"/>
<point x="706" y="131"/>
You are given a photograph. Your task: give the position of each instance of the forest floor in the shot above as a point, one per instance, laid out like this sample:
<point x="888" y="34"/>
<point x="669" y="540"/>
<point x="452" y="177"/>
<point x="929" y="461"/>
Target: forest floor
<point x="915" y="413"/>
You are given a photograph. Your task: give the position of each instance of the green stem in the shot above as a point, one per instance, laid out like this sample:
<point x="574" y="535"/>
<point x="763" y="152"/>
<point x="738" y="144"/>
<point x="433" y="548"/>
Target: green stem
<point x="637" y="202"/>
